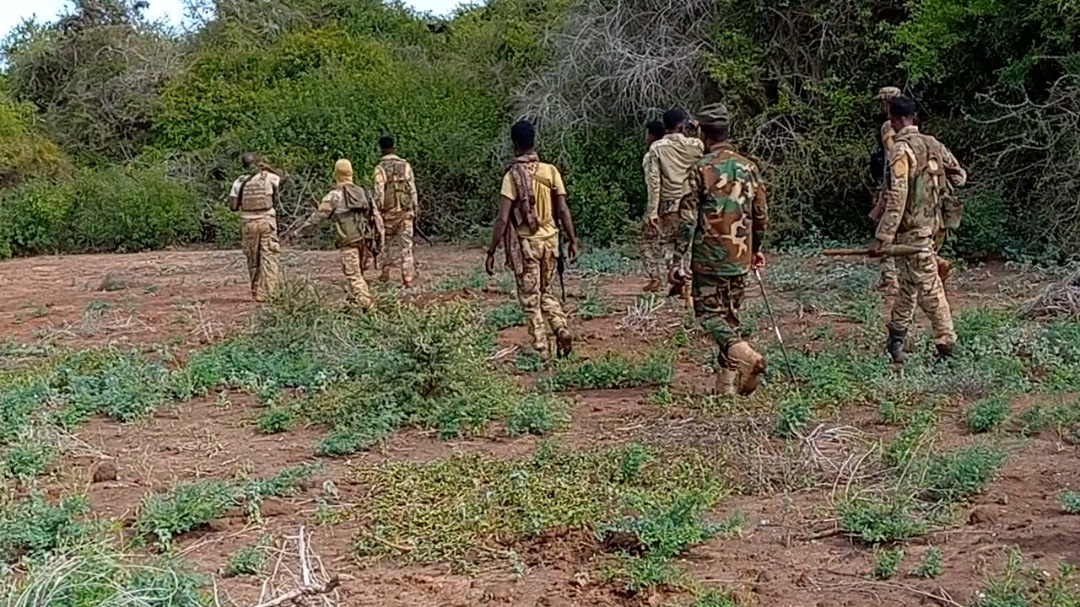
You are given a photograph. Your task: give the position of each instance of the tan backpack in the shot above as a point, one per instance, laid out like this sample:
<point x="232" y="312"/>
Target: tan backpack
<point x="396" y="196"/>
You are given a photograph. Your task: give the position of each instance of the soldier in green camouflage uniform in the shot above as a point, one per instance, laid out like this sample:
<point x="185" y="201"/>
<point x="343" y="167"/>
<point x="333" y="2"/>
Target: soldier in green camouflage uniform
<point x="722" y="220"/>
<point x="921" y="170"/>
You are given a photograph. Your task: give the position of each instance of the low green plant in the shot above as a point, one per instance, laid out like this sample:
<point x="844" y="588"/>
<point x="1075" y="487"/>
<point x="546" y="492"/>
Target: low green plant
<point x="505" y="316"/>
<point x="1070" y="501"/>
<point x="666" y="528"/>
<point x="183" y="508"/>
<point x="640" y="573"/>
<point x="795" y="412"/>
<point x="536" y="414"/>
<point x="987" y="413"/>
<point x="958" y="474"/>
<point x="887" y="562"/>
<point x="26" y="460"/>
<point x="714" y="598"/>
<point x="474" y="281"/>
<point x="595" y="303"/>
<point x="32" y="528"/>
<point x="611" y="371"/>
<point x="276" y="420"/>
<point x="931" y="564"/>
<point x="881" y="518"/>
<point x="248" y="560"/>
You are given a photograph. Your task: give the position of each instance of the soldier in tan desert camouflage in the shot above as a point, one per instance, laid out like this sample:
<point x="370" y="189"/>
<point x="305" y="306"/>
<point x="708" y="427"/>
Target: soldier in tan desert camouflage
<point x="395" y="195"/>
<point x="922" y="170"/>
<point x="253" y="195"/>
<point x="888" y="282"/>
<point x="358" y="229"/>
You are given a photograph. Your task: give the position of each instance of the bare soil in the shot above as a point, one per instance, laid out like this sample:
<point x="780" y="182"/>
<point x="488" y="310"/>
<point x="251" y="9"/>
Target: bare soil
<point x="188" y="298"/>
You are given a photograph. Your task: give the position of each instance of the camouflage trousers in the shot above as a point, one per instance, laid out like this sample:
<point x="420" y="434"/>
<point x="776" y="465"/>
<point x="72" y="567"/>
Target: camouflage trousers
<point x="399" y="246"/>
<point x="351" y="257"/>
<point x="717" y="300"/>
<point x="660" y="249"/>
<point x="259" y="239"/>
<point x="920" y="284"/>
<point x="889" y="274"/>
<point x="535" y="289"/>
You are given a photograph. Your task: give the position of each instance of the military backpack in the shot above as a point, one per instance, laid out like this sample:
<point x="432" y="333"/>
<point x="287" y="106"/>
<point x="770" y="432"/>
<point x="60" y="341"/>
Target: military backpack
<point x="256" y="193"/>
<point x="396" y="196"/>
<point x="355" y="219"/>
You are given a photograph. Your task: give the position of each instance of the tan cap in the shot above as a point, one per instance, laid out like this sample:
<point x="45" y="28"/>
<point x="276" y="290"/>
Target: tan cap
<point x="715" y="113"/>
<point x="888" y="93"/>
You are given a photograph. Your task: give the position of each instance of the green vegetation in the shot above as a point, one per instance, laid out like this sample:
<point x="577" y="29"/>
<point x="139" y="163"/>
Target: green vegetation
<point x="611" y="371"/>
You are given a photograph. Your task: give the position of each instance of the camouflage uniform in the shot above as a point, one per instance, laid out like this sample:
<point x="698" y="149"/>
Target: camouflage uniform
<point x="723" y="218"/>
<point x="395" y="195"/>
<point x="889" y="277"/>
<point x="258" y="231"/>
<point x="534" y="255"/>
<point x="667" y="167"/>
<point x="349" y="229"/>
<point x="913" y="216"/>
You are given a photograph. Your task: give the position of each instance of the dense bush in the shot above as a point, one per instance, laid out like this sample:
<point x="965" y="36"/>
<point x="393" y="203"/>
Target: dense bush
<point x="303" y="82"/>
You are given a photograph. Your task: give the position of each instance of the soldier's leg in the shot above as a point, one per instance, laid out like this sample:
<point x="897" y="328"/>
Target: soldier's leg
<point x="711" y="307"/>
<point x="903" y="310"/>
<point x="549" y="303"/>
<point x="932" y="300"/>
<point x="354" y="277"/>
<point x="249" y="241"/>
<point x="269" y="257"/>
<point x="528" y="291"/>
<point x="392" y="251"/>
<point x="408" y="265"/>
<point x="655" y="268"/>
<point x="889" y="275"/>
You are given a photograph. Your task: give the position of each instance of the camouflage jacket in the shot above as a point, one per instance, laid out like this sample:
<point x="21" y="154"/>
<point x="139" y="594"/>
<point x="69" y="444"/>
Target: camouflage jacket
<point x="919" y="166"/>
<point x="723" y="216"/>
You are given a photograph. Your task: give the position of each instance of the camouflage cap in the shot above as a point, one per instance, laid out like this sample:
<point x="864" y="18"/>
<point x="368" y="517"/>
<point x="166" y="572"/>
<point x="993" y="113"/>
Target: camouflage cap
<point x="714" y="114"/>
<point x="888" y="93"/>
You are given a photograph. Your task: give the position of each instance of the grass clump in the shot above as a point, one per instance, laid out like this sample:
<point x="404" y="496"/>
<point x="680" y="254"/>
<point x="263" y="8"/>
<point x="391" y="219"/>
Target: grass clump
<point x="474" y="281"/>
<point x="276" y="420"/>
<point x="795" y="412"/>
<point x="887" y="562"/>
<point x="448" y="509"/>
<point x="32" y="528"/>
<point x="611" y="371"/>
<point x="536" y="414"/>
<point x="877" y="519"/>
<point x="595" y="303"/>
<point x="248" y="560"/>
<point x="505" y="316"/>
<point x="931" y="564"/>
<point x="959" y="474"/>
<point x="988" y="413"/>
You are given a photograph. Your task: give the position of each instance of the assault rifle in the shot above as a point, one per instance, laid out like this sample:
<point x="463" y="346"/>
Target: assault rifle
<point x="892" y="250"/>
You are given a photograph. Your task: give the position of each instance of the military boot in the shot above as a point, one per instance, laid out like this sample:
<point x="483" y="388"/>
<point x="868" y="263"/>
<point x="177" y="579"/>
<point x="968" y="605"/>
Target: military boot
<point x="750" y="365"/>
<point x="564" y="343"/>
<point x="945" y="350"/>
<point x="725" y="381"/>
<point x="895" y="345"/>
<point x="385" y="275"/>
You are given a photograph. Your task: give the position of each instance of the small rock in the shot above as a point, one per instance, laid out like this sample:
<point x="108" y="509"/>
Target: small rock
<point x="765" y="576"/>
<point x="1003" y="499"/>
<point x="981" y="516"/>
<point x="105" y="472"/>
<point x="622" y="541"/>
<point x="501" y="593"/>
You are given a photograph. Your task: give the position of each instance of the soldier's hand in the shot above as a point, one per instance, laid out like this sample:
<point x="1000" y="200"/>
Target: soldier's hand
<point x="489" y="263"/>
<point x="652" y="227"/>
<point x="758" y="260"/>
<point x="674" y="275"/>
<point x="876" y="248"/>
<point x="571" y="252"/>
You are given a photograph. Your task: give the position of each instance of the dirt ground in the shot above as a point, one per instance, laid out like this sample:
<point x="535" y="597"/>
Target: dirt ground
<point x="785" y="555"/>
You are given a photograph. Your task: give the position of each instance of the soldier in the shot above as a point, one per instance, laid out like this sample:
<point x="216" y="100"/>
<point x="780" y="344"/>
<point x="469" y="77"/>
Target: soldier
<point x="667" y="169"/>
<point x="533" y="203"/>
<point x="654" y="131"/>
<point x="358" y="229"/>
<point x="920" y="166"/>
<point x="253" y="195"/>
<point x="888" y="282"/>
<point x="722" y="219"/>
<point x="395" y="195"/>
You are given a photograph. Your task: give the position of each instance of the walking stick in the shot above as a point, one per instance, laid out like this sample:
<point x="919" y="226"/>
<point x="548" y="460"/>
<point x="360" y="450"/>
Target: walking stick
<point x="776" y="326"/>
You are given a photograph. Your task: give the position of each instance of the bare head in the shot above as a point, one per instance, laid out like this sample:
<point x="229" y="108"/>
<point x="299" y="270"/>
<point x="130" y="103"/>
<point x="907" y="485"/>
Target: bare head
<point x="674" y="120"/>
<point x="901" y="112"/>
<point x="249" y="160"/>
<point x="523" y="136"/>
<point x="386" y="144"/>
<point x="654" y="130"/>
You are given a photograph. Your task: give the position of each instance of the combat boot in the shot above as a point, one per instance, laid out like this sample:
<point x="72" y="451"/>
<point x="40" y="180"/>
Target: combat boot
<point x="725" y="381"/>
<point x="564" y="343"/>
<point x="385" y="275"/>
<point x="945" y="350"/>
<point x="750" y="364"/>
<point x="895" y="345"/>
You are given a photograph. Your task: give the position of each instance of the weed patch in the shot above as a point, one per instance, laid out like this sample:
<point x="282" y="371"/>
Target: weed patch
<point x="611" y="371"/>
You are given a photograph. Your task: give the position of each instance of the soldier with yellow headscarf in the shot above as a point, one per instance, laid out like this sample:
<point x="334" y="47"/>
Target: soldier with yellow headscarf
<point x="358" y="228"/>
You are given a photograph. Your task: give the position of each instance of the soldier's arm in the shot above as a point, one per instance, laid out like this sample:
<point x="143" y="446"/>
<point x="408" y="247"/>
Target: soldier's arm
<point x="411" y="181"/>
<point x="380" y="186"/>
<point x="955" y="173"/>
<point x="688" y="216"/>
<point x="652" y="184"/>
<point x="507" y="193"/>
<point x="886" y="137"/>
<point x="562" y="210"/>
<point x="234" y="196"/>
<point x="896" y="194"/>
<point x="759" y="210"/>
<point x="320" y="214"/>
